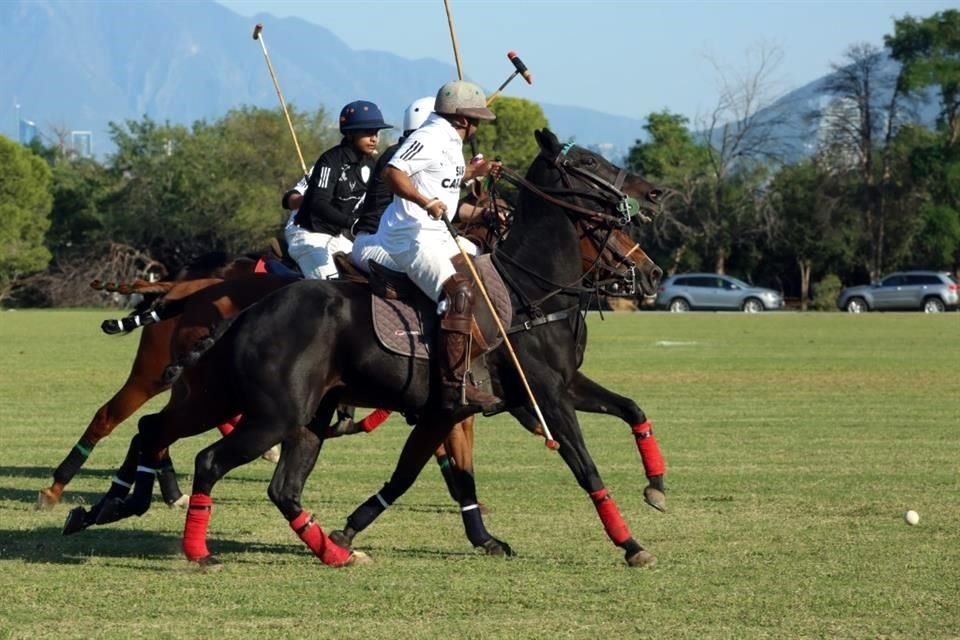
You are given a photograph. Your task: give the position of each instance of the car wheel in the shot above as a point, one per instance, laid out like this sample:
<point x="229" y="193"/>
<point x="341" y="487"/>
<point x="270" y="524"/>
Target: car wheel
<point x="856" y="305"/>
<point x="679" y="305"/>
<point x="933" y="305"/>
<point x="752" y="305"/>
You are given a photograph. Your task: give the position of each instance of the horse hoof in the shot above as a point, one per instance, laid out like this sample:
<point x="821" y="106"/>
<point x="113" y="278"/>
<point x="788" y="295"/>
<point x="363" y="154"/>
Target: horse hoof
<point x="180" y="503"/>
<point x="642" y="558"/>
<point x="497" y="548"/>
<point x="75" y="521"/>
<point x="209" y="564"/>
<point x="341" y="539"/>
<point x="47" y="500"/>
<point x="655" y="498"/>
<point x="358" y="559"/>
<point x="272" y="454"/>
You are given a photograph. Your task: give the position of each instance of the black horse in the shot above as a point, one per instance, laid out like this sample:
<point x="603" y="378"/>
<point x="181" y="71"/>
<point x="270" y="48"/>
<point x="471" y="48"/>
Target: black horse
<point x="289" y="360"/>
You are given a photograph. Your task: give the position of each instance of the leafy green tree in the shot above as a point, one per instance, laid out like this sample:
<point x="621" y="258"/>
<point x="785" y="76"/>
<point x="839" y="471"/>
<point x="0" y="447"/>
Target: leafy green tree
<point x="814" y="225"/>
<point x="929" y="50"/>
<point x="24" y="209"/>
<point x="510" y="136"/>
<point x="671" y="158"/>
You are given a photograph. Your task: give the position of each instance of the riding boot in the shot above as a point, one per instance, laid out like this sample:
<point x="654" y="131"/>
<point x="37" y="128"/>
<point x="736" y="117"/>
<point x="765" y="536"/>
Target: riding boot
<point x="454" y="348"/>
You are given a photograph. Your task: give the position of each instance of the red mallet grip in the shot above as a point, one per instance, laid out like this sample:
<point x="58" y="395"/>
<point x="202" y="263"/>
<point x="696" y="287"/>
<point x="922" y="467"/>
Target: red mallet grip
<point x="256" y="31"/>
<point x="521" y="68"/>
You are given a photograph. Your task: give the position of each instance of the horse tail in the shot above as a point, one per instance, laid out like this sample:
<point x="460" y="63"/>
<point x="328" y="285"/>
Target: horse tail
<point x="142" y="287"/>
<point x="158" y="312"/>
<point x="191" y="357"/>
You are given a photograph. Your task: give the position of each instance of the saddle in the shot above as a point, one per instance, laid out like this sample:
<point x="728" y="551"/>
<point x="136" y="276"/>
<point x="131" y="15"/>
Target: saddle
<point x="405" y="319"/>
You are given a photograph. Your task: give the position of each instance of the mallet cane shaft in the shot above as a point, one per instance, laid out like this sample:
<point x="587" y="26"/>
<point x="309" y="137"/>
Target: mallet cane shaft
<point x="550" y="442"/>
<point x="453" y="39"/>
<point x="258" y="36"/>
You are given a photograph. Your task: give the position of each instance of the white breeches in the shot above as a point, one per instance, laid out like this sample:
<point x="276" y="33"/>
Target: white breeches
<point x="314" y="251"/>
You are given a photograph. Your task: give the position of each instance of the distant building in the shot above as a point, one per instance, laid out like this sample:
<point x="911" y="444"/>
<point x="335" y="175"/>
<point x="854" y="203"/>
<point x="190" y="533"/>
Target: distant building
<point x="28" y="131"/>
<point x="82" y="143"/>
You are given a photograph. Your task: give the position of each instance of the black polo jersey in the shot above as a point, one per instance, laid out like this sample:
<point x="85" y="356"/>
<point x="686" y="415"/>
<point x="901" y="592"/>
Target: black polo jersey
<point x="335" y="190"/>
<point x="378" y="195"/>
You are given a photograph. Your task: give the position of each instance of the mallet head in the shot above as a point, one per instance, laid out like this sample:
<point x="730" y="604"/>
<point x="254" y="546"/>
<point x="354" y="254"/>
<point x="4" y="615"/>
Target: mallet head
<point x="521" y="68"/>
<point x="256" y="31"/>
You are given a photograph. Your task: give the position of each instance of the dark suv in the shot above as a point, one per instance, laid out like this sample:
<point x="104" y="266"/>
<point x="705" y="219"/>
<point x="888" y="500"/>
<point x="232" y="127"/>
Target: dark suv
<point x="927" y="291"/>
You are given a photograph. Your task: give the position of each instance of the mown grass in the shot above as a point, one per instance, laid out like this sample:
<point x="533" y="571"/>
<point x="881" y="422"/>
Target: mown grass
<point x="794" y="443"/>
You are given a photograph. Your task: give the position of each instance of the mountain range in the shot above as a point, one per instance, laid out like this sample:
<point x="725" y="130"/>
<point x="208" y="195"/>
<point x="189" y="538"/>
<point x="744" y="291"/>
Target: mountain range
<point x="79" y="65"/>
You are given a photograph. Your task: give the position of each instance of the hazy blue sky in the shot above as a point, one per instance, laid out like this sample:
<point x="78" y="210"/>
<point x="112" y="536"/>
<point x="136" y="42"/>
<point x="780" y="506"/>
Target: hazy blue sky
<point x="619" y="56"/>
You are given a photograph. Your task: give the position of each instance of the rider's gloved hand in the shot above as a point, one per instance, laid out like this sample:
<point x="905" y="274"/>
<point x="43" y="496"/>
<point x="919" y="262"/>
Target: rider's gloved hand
<point x="436" y="209"/>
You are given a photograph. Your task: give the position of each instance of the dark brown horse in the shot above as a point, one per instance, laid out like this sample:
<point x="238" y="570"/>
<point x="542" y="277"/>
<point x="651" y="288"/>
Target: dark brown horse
<point x="280" y="386"/>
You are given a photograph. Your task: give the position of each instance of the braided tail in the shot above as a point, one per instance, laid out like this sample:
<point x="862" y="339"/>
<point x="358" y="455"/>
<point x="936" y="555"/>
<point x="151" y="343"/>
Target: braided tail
<point x="160" y="311"/>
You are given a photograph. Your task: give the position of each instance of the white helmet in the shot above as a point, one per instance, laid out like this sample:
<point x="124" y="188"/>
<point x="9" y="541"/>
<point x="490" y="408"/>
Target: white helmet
<point x="417" y="113"/>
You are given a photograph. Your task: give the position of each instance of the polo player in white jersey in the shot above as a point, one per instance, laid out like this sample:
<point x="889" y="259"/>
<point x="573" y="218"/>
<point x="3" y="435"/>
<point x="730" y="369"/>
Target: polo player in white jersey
<point x="425" y="176"/>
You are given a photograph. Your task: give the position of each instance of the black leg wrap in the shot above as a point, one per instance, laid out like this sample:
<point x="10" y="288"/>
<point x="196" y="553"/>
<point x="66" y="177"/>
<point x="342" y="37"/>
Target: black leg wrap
<point x="477" y="533"/>
<point x="449" y="477"/>
<point x="365" y="514"/>
<point x="74" y="460"/>
<point x="169" y="488"/>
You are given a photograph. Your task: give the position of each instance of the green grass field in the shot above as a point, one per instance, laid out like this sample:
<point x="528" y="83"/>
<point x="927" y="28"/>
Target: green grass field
<point x="794" y="444"/>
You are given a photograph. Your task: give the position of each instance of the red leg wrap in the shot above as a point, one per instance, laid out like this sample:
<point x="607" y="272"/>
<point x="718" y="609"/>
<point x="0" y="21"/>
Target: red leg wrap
<point x="260" y="266"/>
<point x="653" y="463"/>
<point x="374" y="420"/>
<point x="227" y="427"/>
<point x="195" y="530"/>
<point x="318" y="542"/>
<point x="613" y="523"/>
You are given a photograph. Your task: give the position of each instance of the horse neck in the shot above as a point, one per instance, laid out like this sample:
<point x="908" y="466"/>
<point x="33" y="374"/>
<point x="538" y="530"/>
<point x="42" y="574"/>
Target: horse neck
<point x="542" y="239"/>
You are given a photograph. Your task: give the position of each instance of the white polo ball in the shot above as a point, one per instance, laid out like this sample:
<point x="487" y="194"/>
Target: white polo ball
<point x="911" y="517"/>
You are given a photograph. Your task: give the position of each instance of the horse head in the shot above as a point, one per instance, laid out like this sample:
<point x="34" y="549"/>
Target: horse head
<point x="596" y="193"/>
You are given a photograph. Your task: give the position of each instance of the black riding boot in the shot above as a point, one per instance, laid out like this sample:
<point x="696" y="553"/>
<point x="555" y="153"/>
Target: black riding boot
<point x="453" y="348"/>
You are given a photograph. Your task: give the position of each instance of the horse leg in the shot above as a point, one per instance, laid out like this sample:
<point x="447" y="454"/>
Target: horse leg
<point x="298" y="457"/>
<point x="460" y="444"/>
<point x="249" y="440"/>
<point x="562" y="418"/>
<point x="79" y="518"/>
<point x="141" y="385"/>
<point x="593" y="398"/>
<point x="346" y="426"/>
<point x="153" y="452"/>
<point x="420" y="445"/>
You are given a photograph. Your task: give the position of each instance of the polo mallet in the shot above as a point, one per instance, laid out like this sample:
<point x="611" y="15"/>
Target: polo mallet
<point x="258" y="36"/>
<point x="548" y="437"/>
<point x="520" y="70"/>
<point x="453" y="39"/>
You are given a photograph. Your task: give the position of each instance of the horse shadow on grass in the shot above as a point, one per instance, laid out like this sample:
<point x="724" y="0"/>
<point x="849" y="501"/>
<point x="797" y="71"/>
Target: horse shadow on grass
<point x="47" y="545"/>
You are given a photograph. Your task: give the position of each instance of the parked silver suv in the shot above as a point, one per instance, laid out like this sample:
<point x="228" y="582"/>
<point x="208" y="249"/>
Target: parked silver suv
<point x="928" y="291"/>
<point x="695" y="291"/>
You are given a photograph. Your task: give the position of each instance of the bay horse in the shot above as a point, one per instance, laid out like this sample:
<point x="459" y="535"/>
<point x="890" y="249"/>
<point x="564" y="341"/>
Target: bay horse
<point x="332" y="358"/>
<point x="144" y="380"/>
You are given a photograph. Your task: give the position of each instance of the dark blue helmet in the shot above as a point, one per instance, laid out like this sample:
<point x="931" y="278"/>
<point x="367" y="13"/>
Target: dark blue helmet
<point x="361" y="115"/>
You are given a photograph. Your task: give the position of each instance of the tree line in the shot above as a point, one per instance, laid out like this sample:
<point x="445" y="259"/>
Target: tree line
<point x="875" y="189"/>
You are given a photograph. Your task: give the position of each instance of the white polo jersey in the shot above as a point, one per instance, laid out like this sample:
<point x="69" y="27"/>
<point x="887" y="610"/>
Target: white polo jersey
<point x="433" y="158"/>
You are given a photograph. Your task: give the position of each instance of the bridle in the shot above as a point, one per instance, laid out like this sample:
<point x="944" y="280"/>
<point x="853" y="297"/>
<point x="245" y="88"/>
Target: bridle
<point x="594" y="223"/>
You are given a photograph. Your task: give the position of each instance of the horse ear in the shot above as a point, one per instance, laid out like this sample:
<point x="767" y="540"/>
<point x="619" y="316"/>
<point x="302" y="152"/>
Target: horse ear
<point x="547" y="140"/>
